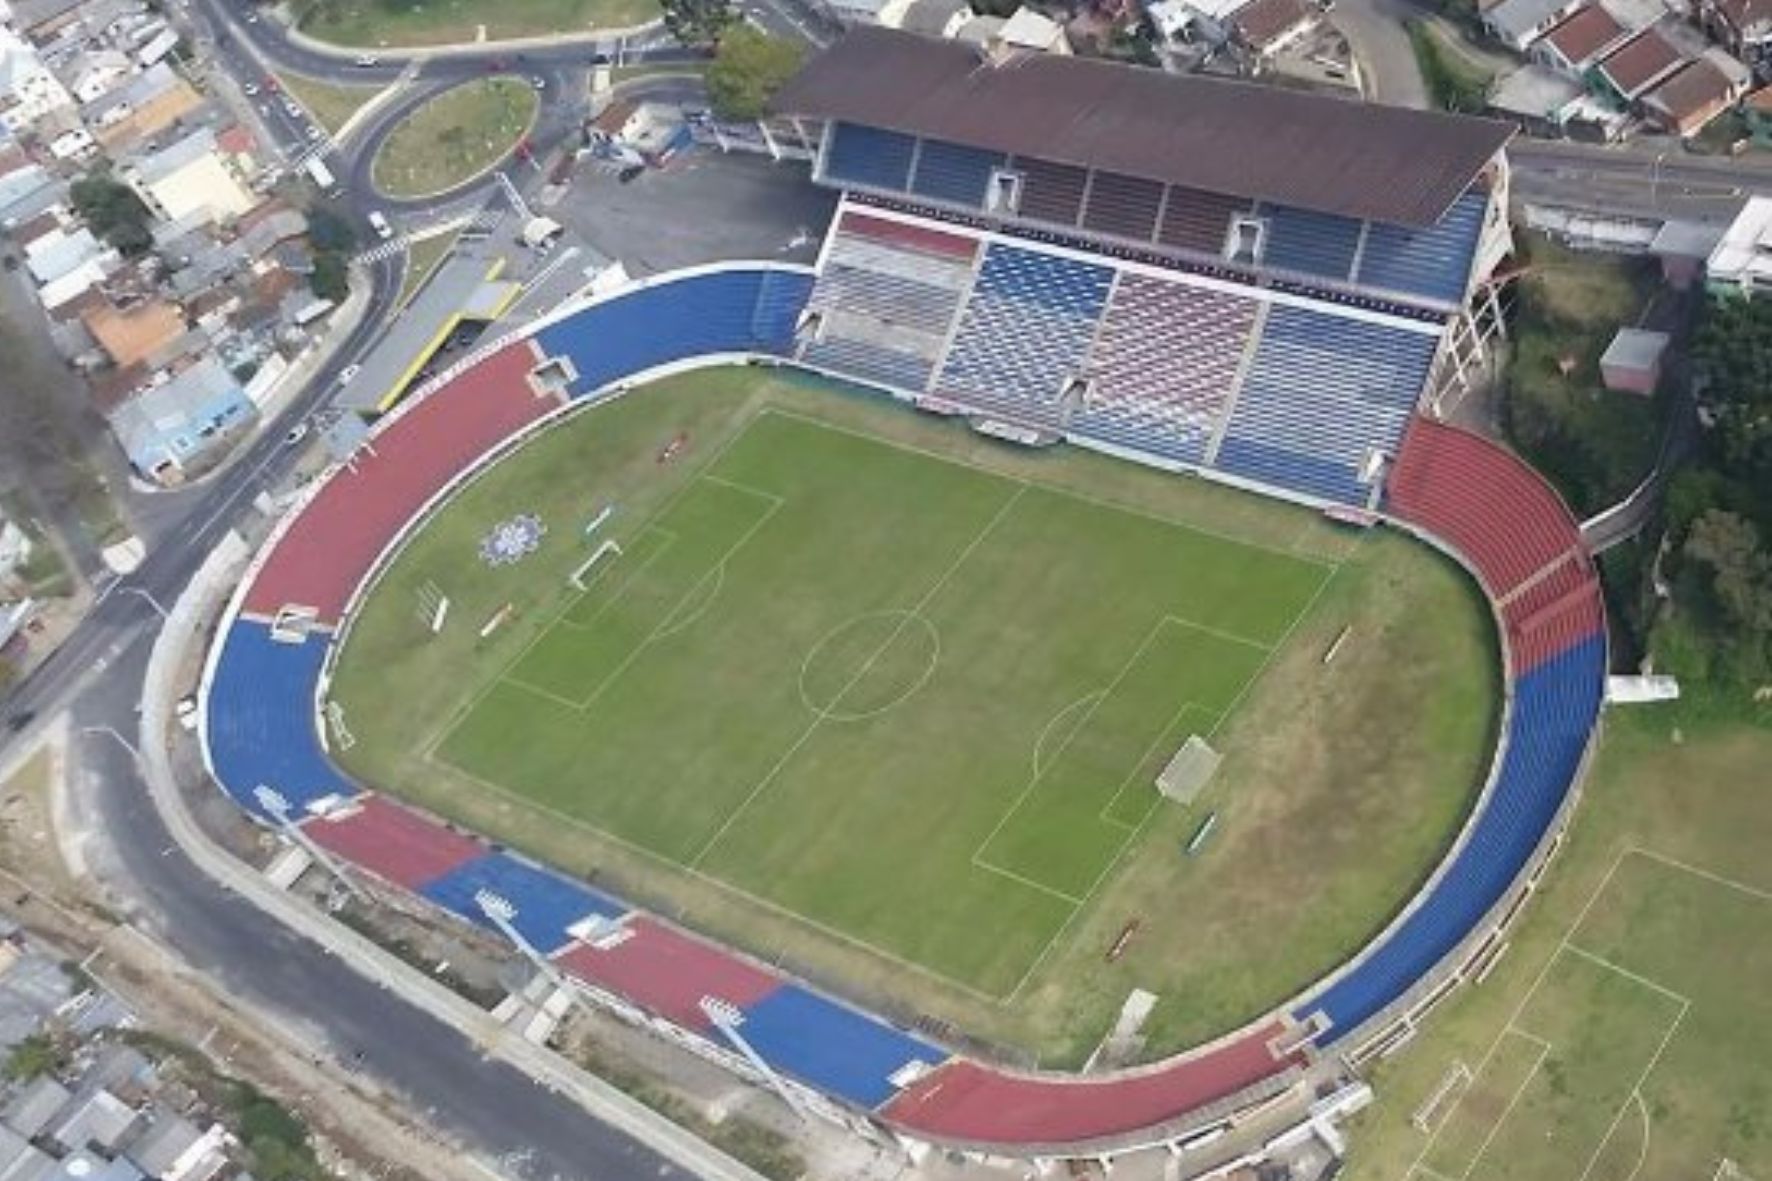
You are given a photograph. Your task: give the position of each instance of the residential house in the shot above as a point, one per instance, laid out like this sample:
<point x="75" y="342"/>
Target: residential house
<point x="1583" y="39"/>
<point x="1638" y="66"/>
<point x="1265" y="27"/>
<point x="1706" y="87"/>
<point x="1756" y="113"/>
<point x="1028" y="31"/>
<point x="1518" y="23"/>
<point x="42" y="20"/>
<point x="142" y="107"/>
<point x="26" y="188"/>
<point x="1207" y="22"/>
<point x="188" y="175"/>
<point x="1743" y="27"/>
<point x="61" y="252"/>
<point x="15" y="551"/>
<point x="134" y="335"/>
<point x="94" y="74"/>
<point x="181" y="423"/>
<point x="29" y="90"/>
<point x="935" y="18"/>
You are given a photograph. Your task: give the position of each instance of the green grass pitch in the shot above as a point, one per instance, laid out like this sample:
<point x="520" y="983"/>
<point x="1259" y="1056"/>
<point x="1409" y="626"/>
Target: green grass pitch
<point x="905" y="699"/>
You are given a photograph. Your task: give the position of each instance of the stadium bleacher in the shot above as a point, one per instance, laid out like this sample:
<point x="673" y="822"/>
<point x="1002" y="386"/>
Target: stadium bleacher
<point x="741" y="310"/>
<point x="260" y="719"/>
<point x="1163" y="367"/>
<point x="1025" y="331"/>
<point x="870" y="156"/>
<point x="1318" y="244"/>
<point x="1555" y="708"/>
<point x="832" y="1047"/>
<point x="547" y="904"/>
<point x="668" y="972"/>
<point x="1434" y="263"/>
<point x="394" y="842"/>
<point x="1323" y="392"/>
<point x="954" y="172"/>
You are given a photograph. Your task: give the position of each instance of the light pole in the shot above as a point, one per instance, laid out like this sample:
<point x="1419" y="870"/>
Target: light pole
<point x="143" y="594"/>
<point x="109" y="732"/>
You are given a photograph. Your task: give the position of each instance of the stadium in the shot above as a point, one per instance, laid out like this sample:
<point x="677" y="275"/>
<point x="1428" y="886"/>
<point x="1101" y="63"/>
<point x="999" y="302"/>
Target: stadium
<point x="1254" y="291"/>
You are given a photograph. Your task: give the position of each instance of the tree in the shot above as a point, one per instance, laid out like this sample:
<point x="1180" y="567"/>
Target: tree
<point x="330" y="280"/>
<point x="114" y="212"/>
<point x="698" y="22"/>
<point x="1740" y="568"/>
<point x="34" y="1056"/>
<point x="330" y="231"/>
<point x="749" y="67"/>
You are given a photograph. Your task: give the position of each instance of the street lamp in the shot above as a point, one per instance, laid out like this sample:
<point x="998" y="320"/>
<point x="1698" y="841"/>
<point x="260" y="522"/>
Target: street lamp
<point x="109" y="732"/>
<point x="143" y="594"/>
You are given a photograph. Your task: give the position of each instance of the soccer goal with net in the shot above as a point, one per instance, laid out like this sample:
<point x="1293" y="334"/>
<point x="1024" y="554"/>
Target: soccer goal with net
<point x="577" y="577"/>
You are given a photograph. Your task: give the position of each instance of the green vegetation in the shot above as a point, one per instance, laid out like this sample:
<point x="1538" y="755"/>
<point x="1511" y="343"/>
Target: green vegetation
<point x="374" y="24"/>
<point x="1624" y="1034"/>
<point x="1454" y="84"/>
<point x="114" y="212"/>
<point x="699" y="22"/>
<point x="454" y="137"/>
<point x="1594" y="445"/>
<point x="822" y="657"/>
<point x="1717" y="628"/>
<point x="332" y="238"/>
<point x="422" y="258"/>
<point x="619" y="74"/>
<point x="331" y="104"/>
<point x="31" y="1058"/>
<point x="749" y="67"/>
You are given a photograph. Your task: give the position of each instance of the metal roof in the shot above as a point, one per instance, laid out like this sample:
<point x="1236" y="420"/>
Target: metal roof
<point x="1263" y="143"/>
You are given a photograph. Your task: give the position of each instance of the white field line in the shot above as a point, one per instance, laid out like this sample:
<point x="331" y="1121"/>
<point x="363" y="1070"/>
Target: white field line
<point x="818" y="719"/>
<point x="565" y="617"/>
<point x="1707" y="875"/>
<point x="1544" y="1049"/>
<point x="1636" y="1092"/>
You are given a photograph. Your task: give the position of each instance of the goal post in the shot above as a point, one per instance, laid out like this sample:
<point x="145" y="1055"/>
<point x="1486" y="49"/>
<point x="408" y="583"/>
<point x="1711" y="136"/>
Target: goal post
<point x="577" y="577"/>
<point x="1187" y="774"/>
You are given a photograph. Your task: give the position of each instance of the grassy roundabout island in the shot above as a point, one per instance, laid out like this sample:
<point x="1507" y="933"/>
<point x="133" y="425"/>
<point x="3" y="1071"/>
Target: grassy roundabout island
<point x="454" y="137"/>
<point x="376" y="24"/>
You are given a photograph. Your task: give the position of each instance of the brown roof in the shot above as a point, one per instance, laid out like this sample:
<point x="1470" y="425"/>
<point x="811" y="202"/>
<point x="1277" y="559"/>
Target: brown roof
<point x="27" y="232"/>
<point x="1263" y="143"/>
<point x="1640" y="61"/>
<point x="1695" y="90"/>
<point x="113" y="387"/>
<point x="1586" y="33"/>
<point x="1744" y="14"/>
<point x="134" y="335"/>
<point x="1266" y="21"/>
<point x="1760" y="100"/>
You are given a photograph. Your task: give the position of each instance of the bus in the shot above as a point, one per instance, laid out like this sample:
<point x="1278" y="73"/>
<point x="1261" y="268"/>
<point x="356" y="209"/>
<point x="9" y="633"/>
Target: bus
<point x="321" y="175"/>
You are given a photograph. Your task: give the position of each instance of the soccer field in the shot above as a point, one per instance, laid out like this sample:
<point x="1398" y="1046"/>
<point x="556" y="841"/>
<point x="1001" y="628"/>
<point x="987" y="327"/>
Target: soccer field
<point x="872" y="697"/>
<point x="905" y="699"/>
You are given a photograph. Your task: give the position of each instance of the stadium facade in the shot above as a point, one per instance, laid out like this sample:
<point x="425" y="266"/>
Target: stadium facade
<point x="1259" y="286"/>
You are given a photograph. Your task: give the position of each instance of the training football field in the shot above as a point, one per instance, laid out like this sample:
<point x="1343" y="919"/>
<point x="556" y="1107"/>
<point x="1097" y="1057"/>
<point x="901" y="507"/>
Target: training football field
<point x="916" y="704"/>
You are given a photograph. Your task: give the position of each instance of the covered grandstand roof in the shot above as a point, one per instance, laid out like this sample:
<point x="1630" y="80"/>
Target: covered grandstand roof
<point x="1264" y="143"/>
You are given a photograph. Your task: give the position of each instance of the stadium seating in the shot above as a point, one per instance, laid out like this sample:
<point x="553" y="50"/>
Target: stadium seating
<point x="668" y="972"/>
<point x="869" y="156"/>
<point x="832" y="1047"/>
<point x="951" y="172"/>
<point x="1554" y="711"/>
<point x="1434" y="263"/>
<point x="886" y="296"/>
<point x="1164" y="364"/>
<point x="395" y="843"/>
<point x="1323" y="391"/>
<point x="546" y="903"/>
<point x="1051" y="193"/>
<point x="1197" y="221"/>
<point x="330" y="547"/>
<point x="968" y="1101"/>
<point x="1124" y="206"/>
<point x="726" y="311"/>
<point x="260" y="719"/>
<point x="1483" y="501"/>
<point x="1308" y="243"/>
<point x="1024" y="333"/>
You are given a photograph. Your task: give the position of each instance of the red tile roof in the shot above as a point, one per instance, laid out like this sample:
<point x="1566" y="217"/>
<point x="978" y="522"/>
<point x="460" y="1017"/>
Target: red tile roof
<point x="1698" y="89"/>
<point x="1583" y="35"/>
<point x="1640" y="61"/>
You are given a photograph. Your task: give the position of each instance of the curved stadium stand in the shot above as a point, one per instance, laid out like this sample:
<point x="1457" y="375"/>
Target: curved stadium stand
<point x="1460" y="490"/>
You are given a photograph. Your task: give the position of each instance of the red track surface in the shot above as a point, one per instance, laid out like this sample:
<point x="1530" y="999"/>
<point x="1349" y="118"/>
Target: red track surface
<point x="1483" y="500"/>
<point x="332" y="545"/>
<point x="904" y="234"/>
<point x="966" y="1101"/>
<point x="669" y="972"/>
<point x="395" y="843"/>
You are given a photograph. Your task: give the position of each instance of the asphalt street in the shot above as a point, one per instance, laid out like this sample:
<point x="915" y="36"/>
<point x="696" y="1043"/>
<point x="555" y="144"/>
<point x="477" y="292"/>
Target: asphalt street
<point x="521" y="1129"/>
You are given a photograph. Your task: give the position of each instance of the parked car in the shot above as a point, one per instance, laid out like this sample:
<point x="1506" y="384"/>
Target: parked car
<point x="314" y="133"/>
<point x="250" y="89"/>
<point x="378" y="221"/>
<point x="365" y="60"/>
<point x="539" y="82"/>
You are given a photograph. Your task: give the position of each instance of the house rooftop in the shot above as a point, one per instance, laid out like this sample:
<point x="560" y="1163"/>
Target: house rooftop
<point x="1640" y="62"/>
<point x="1264" y="22"/>
<point x="1332" y="155"/>
<point x="1585" y="34"/>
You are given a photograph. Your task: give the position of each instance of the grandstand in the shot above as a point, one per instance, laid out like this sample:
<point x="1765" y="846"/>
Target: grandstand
<point x="1254" y="287"/>
<point x="1175" y="291"/>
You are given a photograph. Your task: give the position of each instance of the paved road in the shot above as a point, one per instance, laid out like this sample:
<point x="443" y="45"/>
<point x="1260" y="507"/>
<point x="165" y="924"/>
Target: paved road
<point x="488" y="1104"/>
<point x="1645" y="179"/>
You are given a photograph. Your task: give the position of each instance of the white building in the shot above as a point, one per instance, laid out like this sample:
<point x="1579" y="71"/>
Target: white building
<point x="28" y="90"/>
<point x="1741" y="264"/>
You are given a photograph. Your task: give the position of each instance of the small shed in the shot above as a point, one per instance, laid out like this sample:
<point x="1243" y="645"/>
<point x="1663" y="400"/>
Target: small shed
<point x="1632" y="362"/>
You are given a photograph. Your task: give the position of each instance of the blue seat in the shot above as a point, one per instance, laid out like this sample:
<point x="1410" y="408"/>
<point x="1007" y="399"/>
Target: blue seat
<point x="1555" y="709"/>
<point x="869" y="156"/>
<point x="546" y="902"/>
<point x="1434" y="262"/>
<point x="954" y="172"/>
<point x="1311" y="243"/>
<point x="260" y="719"/>
<point x="733" y="311"/>
<point x="832" y="1047"/>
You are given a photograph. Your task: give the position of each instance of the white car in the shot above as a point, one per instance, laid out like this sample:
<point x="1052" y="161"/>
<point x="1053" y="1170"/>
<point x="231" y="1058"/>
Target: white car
<point x="368" y="59"/>
<point x="250" y="89"/>
<point x="186" y="711"/>
<point x="348" y="372"/>
<point x="539" y="82"/>
<point x="292" y="108"/>
<point x="378" y="221"/>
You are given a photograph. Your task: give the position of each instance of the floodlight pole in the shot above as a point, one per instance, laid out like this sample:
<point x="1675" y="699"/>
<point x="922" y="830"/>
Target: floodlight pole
<point x="501" y="913"/>
<point x="726" y="1018"/>
<point x="276" y="806"/>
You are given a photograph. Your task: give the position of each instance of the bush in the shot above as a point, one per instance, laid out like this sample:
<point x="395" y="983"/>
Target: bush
<point x="748" y="68"/>
<point x="1453" y="85"/>
<point x="331" y="277"/>
<point x="114" y="212"/>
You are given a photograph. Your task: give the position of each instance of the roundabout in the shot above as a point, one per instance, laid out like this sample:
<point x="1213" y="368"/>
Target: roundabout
<point x="454" y="137"/>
